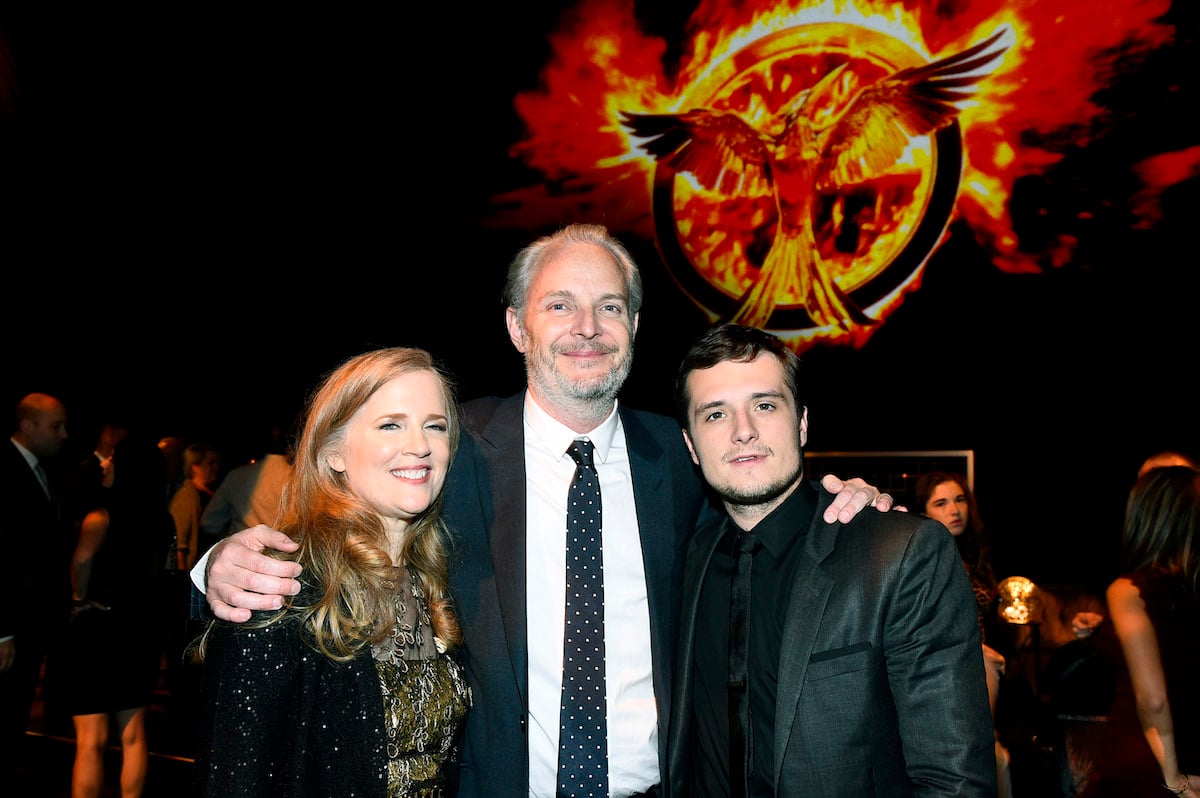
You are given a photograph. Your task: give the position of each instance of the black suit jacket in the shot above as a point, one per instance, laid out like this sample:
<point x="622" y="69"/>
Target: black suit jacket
<point x="485" y="506"/>
<point x="35" y="541"/>
<point x="881" y="687"/>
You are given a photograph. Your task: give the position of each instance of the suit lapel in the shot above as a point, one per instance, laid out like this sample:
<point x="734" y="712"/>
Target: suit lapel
<point x="655" y="512"/>
<point x="810" y="594"/>
<point x="699" y="552"/>
<point x="658" y="530"/>
<point x="504" y="449"/>
<point x="46" y="506"/>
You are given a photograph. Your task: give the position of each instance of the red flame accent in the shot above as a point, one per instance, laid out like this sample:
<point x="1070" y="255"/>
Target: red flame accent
<point x="1034" y="108"/>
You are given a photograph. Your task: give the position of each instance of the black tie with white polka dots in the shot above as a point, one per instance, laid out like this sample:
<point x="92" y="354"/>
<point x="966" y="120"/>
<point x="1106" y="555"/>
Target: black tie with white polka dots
<point x="583" y="733"/>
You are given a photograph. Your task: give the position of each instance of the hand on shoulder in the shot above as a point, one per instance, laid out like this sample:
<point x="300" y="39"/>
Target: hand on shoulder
<point x="851" y="496"/>
<point x="240" y="577"/>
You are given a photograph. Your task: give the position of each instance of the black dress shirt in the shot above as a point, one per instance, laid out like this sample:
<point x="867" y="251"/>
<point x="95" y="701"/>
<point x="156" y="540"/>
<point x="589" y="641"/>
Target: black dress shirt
<point x="782" y="533"/>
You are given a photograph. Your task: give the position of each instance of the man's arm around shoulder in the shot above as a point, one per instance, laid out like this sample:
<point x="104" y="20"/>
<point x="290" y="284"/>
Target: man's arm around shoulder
<point x="237" y="577"/>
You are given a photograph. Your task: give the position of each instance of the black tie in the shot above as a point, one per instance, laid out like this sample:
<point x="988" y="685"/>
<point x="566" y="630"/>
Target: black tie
<point x="41" y="475"/>
<point x="583" y="734"/>
<point x="740" y="746"/>
<point x="42" y="478"/>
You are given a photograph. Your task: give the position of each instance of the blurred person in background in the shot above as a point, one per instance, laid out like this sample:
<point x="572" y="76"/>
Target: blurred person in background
<point x="201" y="474"/>
<point x="1152" y="738"/>
<point x="249" y="493"/>
<point x="93" y="474"/>
<point x="110" y="664"/>
<point x="35" y="540"/>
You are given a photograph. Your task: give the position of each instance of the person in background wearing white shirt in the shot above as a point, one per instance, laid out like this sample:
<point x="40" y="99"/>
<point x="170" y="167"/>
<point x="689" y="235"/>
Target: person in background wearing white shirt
<point x="249" y="493"/>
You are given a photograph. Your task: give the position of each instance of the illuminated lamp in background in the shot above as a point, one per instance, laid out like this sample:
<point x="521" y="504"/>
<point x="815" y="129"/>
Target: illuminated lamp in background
<point x="1021" y="604"/>
<point x="1020" y="601"/>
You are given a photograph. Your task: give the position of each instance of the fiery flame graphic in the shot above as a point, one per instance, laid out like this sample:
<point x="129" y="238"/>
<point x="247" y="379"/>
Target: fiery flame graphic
<point x="1035" y="104"/>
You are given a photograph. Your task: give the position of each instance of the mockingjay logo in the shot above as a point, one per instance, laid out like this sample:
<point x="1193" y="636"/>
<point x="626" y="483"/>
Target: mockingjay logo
<point x="812" y="176"/>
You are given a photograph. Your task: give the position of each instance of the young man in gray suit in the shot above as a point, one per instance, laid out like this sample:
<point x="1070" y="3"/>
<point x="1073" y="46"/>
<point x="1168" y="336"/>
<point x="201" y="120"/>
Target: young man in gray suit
<point x="860" y="670"/>
<point x="573" y="301"/>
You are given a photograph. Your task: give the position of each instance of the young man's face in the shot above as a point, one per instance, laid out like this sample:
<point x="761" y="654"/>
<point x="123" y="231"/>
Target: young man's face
<point x="745" y="431"/>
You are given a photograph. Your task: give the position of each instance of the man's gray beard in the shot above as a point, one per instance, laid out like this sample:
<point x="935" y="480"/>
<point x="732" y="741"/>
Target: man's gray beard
<point x="603" y="391"/>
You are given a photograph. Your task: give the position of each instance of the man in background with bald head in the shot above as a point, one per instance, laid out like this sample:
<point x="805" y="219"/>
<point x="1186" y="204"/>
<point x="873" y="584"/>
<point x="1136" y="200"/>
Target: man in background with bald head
<point x="35" y="540"/>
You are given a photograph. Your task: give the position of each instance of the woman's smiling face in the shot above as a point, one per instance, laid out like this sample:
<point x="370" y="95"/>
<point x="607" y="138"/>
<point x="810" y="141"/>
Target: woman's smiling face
<point x="396" y="450"/>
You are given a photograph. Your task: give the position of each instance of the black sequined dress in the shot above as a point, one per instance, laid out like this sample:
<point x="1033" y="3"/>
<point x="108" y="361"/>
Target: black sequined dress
<point x="281" y="719"/>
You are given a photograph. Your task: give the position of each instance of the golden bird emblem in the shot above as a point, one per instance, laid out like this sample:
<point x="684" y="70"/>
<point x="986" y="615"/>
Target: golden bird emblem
<point x="834" y="133"/>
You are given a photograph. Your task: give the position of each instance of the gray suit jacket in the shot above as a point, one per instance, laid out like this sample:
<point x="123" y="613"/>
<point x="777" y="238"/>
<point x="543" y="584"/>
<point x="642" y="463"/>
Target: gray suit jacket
<point x="881" y="681"/>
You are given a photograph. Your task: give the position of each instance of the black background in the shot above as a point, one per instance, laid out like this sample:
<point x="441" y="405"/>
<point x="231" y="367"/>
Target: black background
<point x="204" y="209"/>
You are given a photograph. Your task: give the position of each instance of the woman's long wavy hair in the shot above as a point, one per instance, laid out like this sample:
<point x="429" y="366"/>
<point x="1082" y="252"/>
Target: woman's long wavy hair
<point x="1162" y="524"/>
<point x="343" y="546"/>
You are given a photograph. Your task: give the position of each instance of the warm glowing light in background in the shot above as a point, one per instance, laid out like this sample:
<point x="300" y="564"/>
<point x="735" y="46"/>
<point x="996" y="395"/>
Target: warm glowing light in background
<point x="1020" y="601"/>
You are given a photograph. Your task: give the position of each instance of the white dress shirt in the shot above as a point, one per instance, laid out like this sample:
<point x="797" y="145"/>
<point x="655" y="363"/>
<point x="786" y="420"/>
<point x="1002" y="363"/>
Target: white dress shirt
<point x="632" y="715"/>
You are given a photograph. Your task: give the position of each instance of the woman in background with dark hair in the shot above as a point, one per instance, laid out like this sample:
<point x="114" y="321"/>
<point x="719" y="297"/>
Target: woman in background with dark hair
<point x="112" y="653"/>
<point x="946" y="497"/>
<point x="1153" y="732"/>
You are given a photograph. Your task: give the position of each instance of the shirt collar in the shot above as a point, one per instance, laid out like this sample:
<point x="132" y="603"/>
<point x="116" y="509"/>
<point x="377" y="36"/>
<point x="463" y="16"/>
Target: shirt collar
<point x="787" y="521"/>
<point x="29" y="456"/>
<point x="555" y="436"/>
